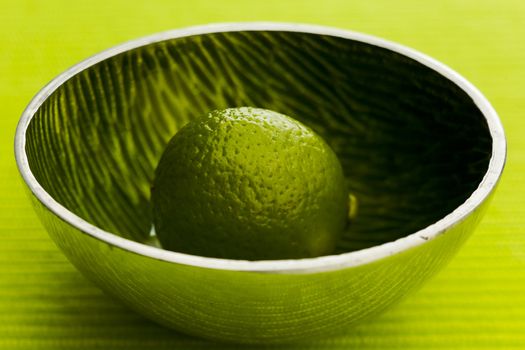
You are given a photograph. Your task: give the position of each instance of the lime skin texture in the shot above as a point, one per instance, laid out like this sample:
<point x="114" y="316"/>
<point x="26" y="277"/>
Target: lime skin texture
<point x="250" y="184"/>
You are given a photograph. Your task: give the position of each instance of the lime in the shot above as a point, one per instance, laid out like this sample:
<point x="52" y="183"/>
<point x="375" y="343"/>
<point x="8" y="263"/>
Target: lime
<point x="249" y="183"/>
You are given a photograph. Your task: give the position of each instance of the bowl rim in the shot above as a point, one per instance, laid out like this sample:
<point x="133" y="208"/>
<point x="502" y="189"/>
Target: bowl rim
<point x="309" y="265"/>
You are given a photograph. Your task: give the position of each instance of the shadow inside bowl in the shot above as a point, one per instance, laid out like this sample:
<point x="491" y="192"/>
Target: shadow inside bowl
<point x="412" y="144"/>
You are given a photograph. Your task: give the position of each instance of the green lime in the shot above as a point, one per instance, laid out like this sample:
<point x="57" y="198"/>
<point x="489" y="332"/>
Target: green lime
<point x="249" y="183"/>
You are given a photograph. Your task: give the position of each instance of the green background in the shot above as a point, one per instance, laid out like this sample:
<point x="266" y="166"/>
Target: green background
<point x="477" y="302"/>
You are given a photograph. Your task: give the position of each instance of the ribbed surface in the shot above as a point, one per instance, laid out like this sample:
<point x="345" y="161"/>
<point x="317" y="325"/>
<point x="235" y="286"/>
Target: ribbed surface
<point x="411" y="144"/>
<point x="476" y="303"/>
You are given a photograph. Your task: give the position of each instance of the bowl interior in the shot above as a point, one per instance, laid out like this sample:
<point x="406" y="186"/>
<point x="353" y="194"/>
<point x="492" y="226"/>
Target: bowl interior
<point x="413" y="145"/>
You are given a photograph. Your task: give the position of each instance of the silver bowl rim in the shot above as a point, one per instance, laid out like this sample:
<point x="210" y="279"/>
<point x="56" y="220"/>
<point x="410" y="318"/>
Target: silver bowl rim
<point x="310" y="265"/>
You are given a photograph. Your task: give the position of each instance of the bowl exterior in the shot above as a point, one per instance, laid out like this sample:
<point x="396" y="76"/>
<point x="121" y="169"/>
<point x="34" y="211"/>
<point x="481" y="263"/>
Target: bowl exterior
<point x="254" y="307"/>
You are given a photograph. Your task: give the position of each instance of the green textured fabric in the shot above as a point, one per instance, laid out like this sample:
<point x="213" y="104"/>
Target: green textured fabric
<point x="477" y="302"/>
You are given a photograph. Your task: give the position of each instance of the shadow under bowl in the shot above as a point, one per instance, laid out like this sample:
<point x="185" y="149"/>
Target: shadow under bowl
<point x="421" y="148"/>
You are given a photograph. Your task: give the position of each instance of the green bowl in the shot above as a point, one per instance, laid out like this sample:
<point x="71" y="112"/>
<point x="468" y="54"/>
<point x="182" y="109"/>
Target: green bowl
<point x="421" y="148"/>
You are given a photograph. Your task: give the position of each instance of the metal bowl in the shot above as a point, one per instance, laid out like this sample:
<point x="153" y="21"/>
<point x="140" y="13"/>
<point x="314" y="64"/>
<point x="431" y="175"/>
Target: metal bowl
<point x="422" y="151"/>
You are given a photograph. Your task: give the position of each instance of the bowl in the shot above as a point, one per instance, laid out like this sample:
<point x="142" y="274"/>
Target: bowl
<point x="421" y="148"/>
